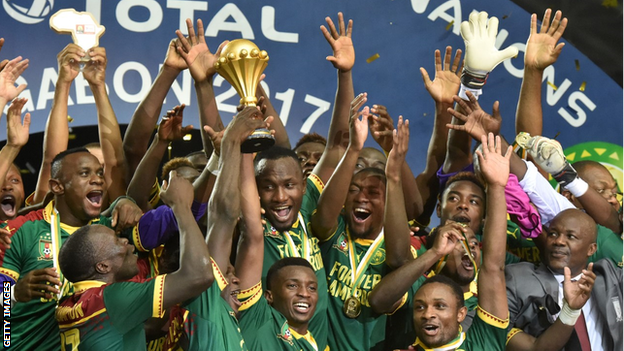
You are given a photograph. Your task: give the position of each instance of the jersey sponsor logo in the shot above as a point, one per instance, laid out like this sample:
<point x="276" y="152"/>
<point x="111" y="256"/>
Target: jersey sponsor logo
<point x="341" y="244"/>
<point x="285" y="334"/>
<point x="45" y="250"/>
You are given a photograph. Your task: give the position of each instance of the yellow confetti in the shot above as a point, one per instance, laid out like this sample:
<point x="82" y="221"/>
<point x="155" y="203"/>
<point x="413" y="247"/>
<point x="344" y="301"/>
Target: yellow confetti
<point x="69" y="119"/>
<point x="187" y="137"/>
<point x="610" y="3"/>
<point x="551" y="85"/>
<point x="582" y="88"/>
<point x="372" y="58"/>
<point x="24" y="171"/>
<point x="556" y="135"/>
<point x="448" y="26"/>
<point x="577" y="64"/>
<point x="71" y="137"/>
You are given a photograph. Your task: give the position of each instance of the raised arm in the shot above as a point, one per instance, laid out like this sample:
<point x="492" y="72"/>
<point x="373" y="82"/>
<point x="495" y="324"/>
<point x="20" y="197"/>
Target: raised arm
<point x="224" y="206"/>
<point x="201" y="62"/>
<point x="146" y="115"/>
<point x="396" y="230"/>
<point x="386" y="294"/>
<point x="325" y="220"/>
<point x="195" y="273"/>
<point x="281" y="137"/>
<point x="57" y="128"/>
<point x="343" y="60"/>
<point x="491" y="282"/>
<point x="17" y="137"/>
<point x="542" y="50"/>
<point x="8" y="75"/>
<point x="169" y="129"/>
<point x="554" y="338"/>
<point x="442" y="89"/>
<point x="382" y="127"/>
<point x="108" y="127"/>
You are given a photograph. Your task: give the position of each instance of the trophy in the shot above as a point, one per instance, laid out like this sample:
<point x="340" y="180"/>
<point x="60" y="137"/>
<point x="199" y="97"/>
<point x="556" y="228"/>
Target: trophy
<point x="241" y="63"/>
<point x="82" y="26"/>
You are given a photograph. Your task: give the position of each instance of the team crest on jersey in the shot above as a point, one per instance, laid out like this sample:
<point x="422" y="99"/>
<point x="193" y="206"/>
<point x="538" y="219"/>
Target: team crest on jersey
<point x="271" y="231"/>
<point x="285" y="334"/>
<point x="45" y="250"/>
<point x="342" y="244"/>
<point x="379" y="257"/>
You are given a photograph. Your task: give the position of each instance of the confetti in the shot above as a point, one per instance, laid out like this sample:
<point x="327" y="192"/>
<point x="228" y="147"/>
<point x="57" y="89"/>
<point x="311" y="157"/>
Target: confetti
<point x="551" y="85"/>
<point x="187" y="137"/>
<point x="582" y="88"/>
<point x="372" y="58"/>
<point x="505" y="16"/>
<point x="556" y="135"/>
<point x="69" y="119"/>
<point x="24" y="171"/>
<point x="71" y="137"/>
<point x="577" y="64"/>
<point x="610" y="3"/>
<point x="448" y="26"/>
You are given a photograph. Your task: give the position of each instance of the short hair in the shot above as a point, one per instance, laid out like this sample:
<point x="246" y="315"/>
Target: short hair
<point x="285" y="262"/>
<point x="311" y="138"/>
<point x="198" y="152"/>
<point x="55" y="168"/>
<point x="467" y="176"/>
<point x="455" y="288"/>
<point x="77" y="256"/>
<point x="374" y="171"/>
<point x="175" y="163"/>
<point x="275" y="153"/>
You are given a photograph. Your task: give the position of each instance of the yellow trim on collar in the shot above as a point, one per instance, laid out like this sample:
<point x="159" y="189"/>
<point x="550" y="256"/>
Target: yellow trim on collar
<point x="82" y="286"/>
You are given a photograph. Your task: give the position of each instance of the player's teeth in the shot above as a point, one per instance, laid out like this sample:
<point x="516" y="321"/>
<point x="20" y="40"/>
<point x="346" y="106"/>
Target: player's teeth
<point x="361" y="210"/>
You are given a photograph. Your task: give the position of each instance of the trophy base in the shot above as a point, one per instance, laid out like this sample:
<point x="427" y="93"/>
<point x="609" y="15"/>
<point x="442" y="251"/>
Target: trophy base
<point x="261" y="139"/>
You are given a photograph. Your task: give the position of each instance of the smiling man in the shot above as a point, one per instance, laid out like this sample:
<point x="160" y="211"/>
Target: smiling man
<point x="12" y="194"/>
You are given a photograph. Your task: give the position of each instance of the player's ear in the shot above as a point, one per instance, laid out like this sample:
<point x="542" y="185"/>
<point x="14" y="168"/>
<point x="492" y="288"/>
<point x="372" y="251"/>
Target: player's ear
<point x="56" y="186"/>
<point x="102" y="267"/>
<point x="269" y="297"/>
<point x="461" y="314"/>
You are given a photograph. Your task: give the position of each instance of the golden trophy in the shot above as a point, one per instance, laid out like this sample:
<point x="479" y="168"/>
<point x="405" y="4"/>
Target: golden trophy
<point x="241" y="63"/>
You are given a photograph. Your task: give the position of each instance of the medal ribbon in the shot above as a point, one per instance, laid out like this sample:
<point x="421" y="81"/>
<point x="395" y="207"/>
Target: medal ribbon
<point x="357" y="272"/>
<point x="55" y="226"/>
<point x="305" y="242"/>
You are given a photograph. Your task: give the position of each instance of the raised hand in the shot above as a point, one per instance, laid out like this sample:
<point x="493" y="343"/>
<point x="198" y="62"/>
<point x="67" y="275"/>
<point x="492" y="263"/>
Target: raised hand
<point x="177" y="191"/>
<point x="17" y="132"/>
<point x="578" y="292"/>
<point x="477" y="122"/>
<point x="494" y="166"/>
<point x="448" y="235"/>
<point x="173" y="58"/>
<point x="126" y="214"/>
<point x="446" y="81"/>
<point x="358" y="128"/>
<point x="400" y="144"/>
<point x="195" y="52"/>
<point x="9" y="74"/>
<point x="170" y="127"/>
<point x="69" y="62"/>
<point x="95" y="70"/>
<point x="38" y="283"/>
<point x="542" y="49"/>
<point x="381" y="127"/>
<point x="244" y="123"/>
<point x="5" y="61"/>
<point x="341" y="43"/>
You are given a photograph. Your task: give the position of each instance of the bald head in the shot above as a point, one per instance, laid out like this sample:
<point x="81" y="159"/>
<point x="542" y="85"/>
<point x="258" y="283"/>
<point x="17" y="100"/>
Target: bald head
<point x="598" y="178"/>
<point x="579" y="219"/>
<point x="571" y="240"/>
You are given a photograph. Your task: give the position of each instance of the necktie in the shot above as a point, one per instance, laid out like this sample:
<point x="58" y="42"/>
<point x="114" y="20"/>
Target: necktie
<point x="581" y="332"/>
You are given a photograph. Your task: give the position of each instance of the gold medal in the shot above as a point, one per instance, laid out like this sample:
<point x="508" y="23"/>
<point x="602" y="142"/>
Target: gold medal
<point x="352" y="307"/>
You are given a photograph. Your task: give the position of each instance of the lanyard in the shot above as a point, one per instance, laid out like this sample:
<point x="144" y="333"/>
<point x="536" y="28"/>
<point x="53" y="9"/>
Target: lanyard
<point x="305" y="241"/>
<point x="55" y="233"/>
<point x="357" y="272"/>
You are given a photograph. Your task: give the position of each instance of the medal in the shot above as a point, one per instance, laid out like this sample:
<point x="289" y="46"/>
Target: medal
<point x="352" y="307"/>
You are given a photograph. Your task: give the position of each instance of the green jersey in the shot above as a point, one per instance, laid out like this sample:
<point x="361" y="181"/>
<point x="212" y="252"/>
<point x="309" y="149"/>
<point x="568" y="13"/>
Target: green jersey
<point x="340" y="254"/>
<point x="32" y="323"/>
<point x="109" y="317"/>
<point x="206" y="322"/>
<point x="265" y="329"/>
<point x="487" y="333"/>
<point x="299" y="242"/>
<point x="522" y="247"/>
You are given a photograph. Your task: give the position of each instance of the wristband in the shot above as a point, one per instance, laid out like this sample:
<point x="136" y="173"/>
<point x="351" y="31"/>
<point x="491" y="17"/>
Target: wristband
<point x="464" y="89"/>
<point x="568" y="316"/>
<point x="213" y="164"/>
<point x="578" y="187"/>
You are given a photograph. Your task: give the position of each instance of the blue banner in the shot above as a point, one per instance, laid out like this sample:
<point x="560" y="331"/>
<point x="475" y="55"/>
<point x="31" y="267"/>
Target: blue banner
<point x="581" y="103"/>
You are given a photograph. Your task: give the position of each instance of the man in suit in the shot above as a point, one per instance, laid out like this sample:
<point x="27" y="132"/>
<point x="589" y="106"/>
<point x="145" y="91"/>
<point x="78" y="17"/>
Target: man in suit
<point x="550" y="303"/>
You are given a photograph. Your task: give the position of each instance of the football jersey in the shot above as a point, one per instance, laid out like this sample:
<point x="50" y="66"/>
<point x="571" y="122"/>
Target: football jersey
<point x="103" y="316"/>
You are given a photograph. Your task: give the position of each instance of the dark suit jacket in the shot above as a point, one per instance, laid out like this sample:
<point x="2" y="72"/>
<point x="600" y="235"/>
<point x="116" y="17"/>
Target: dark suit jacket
<point x="532" y="293"/>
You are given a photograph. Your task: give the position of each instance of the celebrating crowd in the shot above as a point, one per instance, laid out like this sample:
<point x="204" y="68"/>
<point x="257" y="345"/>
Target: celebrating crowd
<point x="324" y="246"/>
